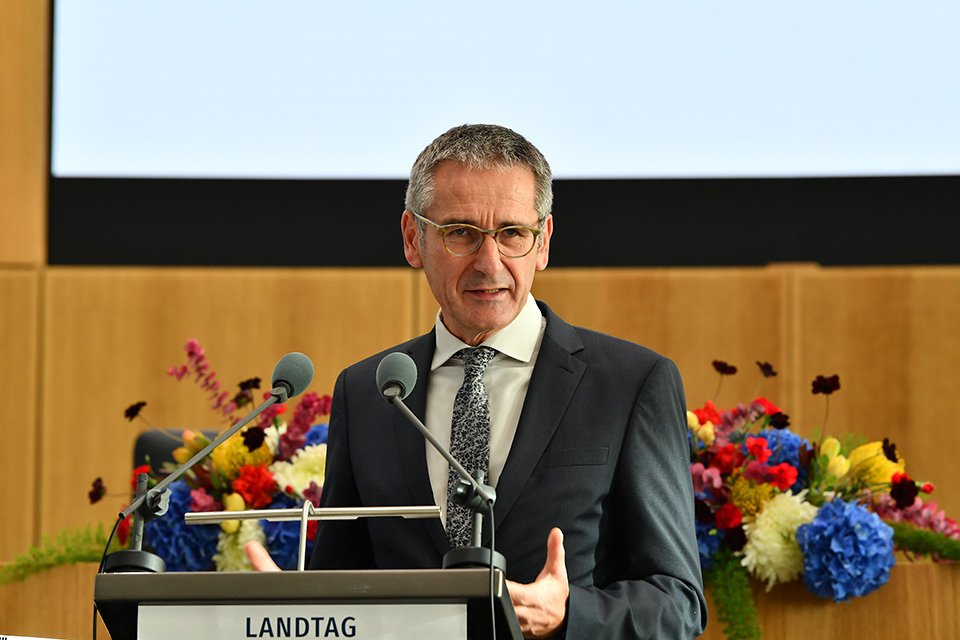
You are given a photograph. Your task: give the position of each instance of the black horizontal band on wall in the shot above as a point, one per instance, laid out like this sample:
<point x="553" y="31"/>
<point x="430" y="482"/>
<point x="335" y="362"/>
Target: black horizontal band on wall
<point x="598" y="223"/>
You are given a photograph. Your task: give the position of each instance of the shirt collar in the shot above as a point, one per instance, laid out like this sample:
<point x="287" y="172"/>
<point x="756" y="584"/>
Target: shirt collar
<point x="517" y="340"/>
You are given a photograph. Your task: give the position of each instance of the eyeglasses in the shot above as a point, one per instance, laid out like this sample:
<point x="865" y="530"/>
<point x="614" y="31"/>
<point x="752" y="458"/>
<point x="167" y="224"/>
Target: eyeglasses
<point x="514" y="241"/>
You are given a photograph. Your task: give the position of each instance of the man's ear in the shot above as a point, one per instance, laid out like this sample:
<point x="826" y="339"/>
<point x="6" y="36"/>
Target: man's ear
<point x="411" y="240"/>
<point x="543" y="252"/>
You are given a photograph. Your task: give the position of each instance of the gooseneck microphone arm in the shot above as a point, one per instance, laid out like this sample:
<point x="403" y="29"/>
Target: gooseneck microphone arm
<point x="486" y="494"/>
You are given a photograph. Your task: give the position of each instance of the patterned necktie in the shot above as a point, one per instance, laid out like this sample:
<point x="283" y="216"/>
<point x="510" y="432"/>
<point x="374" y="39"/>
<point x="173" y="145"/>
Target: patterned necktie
<point x="469" y="437"/>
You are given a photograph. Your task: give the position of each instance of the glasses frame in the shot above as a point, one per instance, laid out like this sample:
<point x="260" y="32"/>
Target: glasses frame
<point x="494" y="233"/>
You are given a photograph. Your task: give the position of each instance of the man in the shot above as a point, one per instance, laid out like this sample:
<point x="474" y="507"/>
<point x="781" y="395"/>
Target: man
<point x="587" y="433"/>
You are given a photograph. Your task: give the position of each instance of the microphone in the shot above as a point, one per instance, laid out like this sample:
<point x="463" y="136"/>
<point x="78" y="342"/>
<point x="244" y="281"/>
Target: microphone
<point x="396" y="378"/>
<point x="396" y="375"/>
<point x="291" y="376"/>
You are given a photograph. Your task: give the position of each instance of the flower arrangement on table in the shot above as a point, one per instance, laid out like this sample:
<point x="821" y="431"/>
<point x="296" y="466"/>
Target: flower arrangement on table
<point x="776" y="506"/>
<point x="270" y="464"/>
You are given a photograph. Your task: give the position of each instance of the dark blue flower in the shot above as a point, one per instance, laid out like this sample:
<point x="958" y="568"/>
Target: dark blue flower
<point x="708" y="542"/>
<point x="183" y="547"/>
<point x="283" y="538"/>
<point x="847" y="551"/>
<point x="317" y="434"/>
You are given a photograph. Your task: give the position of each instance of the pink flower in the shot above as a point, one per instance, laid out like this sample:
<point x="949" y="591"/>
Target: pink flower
<point x="203" y="501"/>
<point x="704" y="477"/>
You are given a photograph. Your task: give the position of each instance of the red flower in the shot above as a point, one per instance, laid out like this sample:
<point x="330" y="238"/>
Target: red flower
<point x="256" y="485"/>
<point x="783" y="476"/>
<point x="768" y="407"/>
<point x="727" y="459"/>
<point x="729" y="516"/>
<point x="708" y="413"/>
<point x="144" y="468"/>
<point x="758" y="449"/>
<point x="123" y="531"/>
<point x="927" y="488"/>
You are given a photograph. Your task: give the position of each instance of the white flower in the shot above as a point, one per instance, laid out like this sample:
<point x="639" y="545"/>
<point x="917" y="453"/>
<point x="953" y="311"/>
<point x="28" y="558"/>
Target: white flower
<point x="271" y="436"/>
<point x="305" y="466"/>
<point x="230" y="555"/>
<point x="771" y="552"/>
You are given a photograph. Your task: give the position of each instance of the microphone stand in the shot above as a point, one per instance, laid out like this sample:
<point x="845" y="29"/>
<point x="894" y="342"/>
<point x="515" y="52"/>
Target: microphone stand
<point x="148" y="505"/>
<point x="471" y="493"/>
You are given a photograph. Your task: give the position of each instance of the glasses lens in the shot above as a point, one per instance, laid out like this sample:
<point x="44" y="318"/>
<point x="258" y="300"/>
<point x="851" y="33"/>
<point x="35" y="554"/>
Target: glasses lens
<point x="462" y="240"/>
<point x="515" y="242"/>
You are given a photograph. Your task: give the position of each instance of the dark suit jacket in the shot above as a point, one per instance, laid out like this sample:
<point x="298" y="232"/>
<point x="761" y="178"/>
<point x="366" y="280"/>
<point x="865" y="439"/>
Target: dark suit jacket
<point x="600" y="451"/>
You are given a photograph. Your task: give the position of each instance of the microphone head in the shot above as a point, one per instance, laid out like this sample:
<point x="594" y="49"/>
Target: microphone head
<point x="397" y="370"/>
<point x="293" y="373"/>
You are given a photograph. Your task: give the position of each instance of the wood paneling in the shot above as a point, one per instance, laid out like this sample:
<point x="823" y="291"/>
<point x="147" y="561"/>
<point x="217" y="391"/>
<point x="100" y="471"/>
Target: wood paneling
<point x="692" y="316"/>
<point x="53" y="604"/>
<point x="18" y="397"/>
<point x="111" y="335"/>
<point x="893" y="337"/>
<point x="919" y="601"/>
<point x="23" y="131"/>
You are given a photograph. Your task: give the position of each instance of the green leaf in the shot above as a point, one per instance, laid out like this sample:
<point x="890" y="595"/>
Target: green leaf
<point x="732" y="597"/>
<point x="83" y="544"/>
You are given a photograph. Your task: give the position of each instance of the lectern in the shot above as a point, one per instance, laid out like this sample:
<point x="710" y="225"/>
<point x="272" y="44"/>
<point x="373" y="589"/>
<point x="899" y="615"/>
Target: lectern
<point x="366" y="605"/>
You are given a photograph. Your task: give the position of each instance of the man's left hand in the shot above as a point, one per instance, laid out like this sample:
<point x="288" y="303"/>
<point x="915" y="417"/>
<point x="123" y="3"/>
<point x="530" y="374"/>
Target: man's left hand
<point x="541" y="606"/>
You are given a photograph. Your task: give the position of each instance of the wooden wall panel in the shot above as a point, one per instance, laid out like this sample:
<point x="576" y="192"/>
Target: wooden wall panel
<point x="693" y="316"/>
<point x="111" y="334"/>
<point x="18" y="397"/>
<point x="893" y="337"/>
<point x="23" y="131"/>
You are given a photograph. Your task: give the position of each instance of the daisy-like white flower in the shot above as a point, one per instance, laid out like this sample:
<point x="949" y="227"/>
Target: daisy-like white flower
<point x="230" y="555"/>
<point x="772" y="553"/>
<point x="307" y="465"/>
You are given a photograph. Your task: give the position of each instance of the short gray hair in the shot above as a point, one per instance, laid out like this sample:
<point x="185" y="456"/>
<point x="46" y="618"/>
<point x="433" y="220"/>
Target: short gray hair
<point x="480" y="146"/>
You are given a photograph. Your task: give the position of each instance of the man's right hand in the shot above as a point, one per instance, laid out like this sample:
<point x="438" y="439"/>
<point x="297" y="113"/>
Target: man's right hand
<point x="259" y="557"/>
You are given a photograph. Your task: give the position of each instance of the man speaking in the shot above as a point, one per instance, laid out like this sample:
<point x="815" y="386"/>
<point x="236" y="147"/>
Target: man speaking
<point x="583" y="435"/>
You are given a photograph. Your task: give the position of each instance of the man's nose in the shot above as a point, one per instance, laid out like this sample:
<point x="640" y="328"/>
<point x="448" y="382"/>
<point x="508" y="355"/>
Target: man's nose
<point x="488" y="258"/>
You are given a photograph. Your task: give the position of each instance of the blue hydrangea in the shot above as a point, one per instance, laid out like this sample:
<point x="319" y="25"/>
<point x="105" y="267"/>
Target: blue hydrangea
<point x="317" y="434"/>
<point x="847" y="551"/>
<point x="283" y="538"/>
<point x="183" y="547"/>
<point x="708" y="542"/>
<point x="785" y="445"/>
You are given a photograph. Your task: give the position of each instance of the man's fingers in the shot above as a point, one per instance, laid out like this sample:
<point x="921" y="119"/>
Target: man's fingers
<point x="259" y="557"/>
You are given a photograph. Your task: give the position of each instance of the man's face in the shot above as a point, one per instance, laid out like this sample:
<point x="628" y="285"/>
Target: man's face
<point x="481" y="293"/>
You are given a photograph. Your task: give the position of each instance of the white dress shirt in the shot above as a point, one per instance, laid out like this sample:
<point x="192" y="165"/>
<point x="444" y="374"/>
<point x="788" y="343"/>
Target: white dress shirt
<point x="506" y="380"/>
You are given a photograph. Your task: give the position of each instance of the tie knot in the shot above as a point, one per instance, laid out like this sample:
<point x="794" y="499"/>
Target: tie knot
<point x="475" y="359"/>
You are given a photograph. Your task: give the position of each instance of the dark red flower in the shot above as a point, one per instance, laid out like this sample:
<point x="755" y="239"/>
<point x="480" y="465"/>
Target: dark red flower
<point x="806" y="453"/>
<point x="252" y="383"/>
<point x="723" y="368"/>
<point x="890" y="450"/>
<point x="256" y="485"/>
<point x="766" y="369"/>
<point x="735" y="538"/>
<point x="826" y="386"/>
<point x="326" y="402"/>
<point x="729" y="516"/>
<point x="903" y="490"/>
<point x="779" y="420"/>
<point x="253" y="438"/>
<point x="97" y="491"/>
<point x="133" y="410"/>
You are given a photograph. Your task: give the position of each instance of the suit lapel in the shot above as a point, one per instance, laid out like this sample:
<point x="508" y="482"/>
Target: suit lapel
<point x="411" y="445"/>
<point x="556" y="376"/>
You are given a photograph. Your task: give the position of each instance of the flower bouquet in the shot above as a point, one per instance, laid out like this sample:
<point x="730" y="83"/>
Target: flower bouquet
<point x="270" y="464"/>
<point x="775" y="506"/>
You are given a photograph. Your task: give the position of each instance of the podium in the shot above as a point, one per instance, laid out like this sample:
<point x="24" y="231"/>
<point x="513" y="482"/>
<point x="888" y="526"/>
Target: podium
<point x="395" y="604"/>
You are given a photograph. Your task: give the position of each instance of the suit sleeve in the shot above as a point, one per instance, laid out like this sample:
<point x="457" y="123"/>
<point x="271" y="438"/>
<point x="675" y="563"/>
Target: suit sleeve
<point x="662" y="595"/>
<point x="340" y="544"/>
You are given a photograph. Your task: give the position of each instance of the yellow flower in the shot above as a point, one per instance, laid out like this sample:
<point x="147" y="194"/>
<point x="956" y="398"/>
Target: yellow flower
<point x="772" y="553"/>
<point x="706" y="433"/>
<point x="750" y="496"/>
<point x="232" y="502"/>
<point x="838" y="466"/>
<point x="692" y="421"/>
<point x="870" y="466"/>
<point x="193" y="442"/>
<point x="830" y="447"/>
<point x="233" y="454"/>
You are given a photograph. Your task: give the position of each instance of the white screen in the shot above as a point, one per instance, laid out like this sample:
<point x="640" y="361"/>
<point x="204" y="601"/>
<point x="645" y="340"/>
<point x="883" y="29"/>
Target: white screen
<point x="605" y="88"/>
